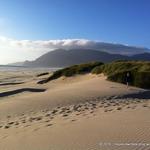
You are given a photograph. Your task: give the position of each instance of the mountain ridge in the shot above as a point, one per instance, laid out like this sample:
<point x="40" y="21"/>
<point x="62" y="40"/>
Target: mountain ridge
<point x="64" y="58"/>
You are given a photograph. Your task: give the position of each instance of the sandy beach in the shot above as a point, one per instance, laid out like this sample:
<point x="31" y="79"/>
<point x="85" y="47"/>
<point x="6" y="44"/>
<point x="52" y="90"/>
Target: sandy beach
<point x="84" y="112"/>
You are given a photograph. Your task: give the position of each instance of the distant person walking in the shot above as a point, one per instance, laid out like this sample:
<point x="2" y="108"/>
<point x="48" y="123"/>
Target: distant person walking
<point x="128" y="79"/>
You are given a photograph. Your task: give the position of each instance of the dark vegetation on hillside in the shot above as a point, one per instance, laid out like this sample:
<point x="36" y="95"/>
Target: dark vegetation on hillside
<point x="115" y="71"/>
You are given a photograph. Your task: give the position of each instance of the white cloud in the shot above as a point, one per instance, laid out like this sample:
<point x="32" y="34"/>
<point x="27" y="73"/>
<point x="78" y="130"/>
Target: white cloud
<point x="49" y="44"/>
<point x="12" y="50"/>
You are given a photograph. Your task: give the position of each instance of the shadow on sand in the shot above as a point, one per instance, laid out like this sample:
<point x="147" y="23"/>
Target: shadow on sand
<point x="2" y="84"/>
<point x="139" y="95"/>
<point x="9" y="93"/>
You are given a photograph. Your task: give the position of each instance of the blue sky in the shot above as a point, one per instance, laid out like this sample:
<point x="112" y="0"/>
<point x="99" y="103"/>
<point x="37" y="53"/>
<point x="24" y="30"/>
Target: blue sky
<point x="120" y="21"/>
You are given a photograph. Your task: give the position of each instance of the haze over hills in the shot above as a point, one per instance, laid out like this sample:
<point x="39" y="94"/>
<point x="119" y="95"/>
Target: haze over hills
<point x="70" y="52"/>
<point x="63" y="58"/>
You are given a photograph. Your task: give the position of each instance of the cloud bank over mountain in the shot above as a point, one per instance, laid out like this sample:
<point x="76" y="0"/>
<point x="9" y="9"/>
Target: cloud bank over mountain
<point x="17" y="50"/>
<point x="45" y="45"/>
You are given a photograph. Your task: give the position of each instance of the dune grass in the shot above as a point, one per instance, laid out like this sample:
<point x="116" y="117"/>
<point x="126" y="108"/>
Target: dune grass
<point x="72" y="70"/>
<point x="115" y="71"/>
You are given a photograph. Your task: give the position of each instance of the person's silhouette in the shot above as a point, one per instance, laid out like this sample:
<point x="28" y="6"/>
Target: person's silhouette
<point x="128" y="78"/>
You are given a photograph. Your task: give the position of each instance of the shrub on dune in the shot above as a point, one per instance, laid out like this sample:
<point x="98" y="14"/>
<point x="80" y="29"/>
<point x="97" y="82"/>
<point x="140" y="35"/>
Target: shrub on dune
<point x="98" y="69"/>
<point x="139" y="71"/>
<point x="142" y="79"/>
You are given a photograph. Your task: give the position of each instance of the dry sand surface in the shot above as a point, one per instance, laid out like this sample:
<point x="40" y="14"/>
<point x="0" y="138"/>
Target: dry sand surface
<point x="85" y="112"/>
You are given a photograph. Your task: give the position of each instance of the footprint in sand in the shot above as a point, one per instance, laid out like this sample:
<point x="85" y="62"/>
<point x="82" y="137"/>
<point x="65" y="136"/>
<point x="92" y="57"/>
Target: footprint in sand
<point x="31" y="119"/>
<point x="114" y="104"/>
<point x="73" y="120"/>
<point x="145" y="105"/>
<point x="108" y="110"/>
<point x="106" y="106"/>
<point x="128" y="107"/>
<point x="54" y="111"/>
<point x="27" y="126"/>
<point x="78" y="114"/>
<point x="48" y="125"/>
<point x="119" y="108"/>
<point x="23" y="121"/>
<point x="10" y="123"/>
<point x="86" y="108"/>
<point x="63" y="110"/>
<point x="8" y="116"/>
<point x="36" y="129"/>
<point x="47" y="120"/>
<point x="38" y="118"/>
<point x="133" y="107"/>
<point x="65" y="115"/>
<point x="68" y="112"/>
<point x="91" y="112"/>
<point x="52" y="117"/>
<point x="6" y="127"/>
<point x="48" y="115"/>
<point x="16" y="123"/>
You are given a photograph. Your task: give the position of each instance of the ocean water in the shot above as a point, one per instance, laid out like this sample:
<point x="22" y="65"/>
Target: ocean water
<point x="18" y="68"/>
<point x="12" y="74"/>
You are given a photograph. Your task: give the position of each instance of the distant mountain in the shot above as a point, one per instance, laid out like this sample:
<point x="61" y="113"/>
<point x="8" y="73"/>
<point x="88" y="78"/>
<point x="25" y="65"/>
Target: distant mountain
<point x="63" y="58"/>
<point x="17" y="64"/>
<point x="113" y="48"/>
<point x="143" y="56"/>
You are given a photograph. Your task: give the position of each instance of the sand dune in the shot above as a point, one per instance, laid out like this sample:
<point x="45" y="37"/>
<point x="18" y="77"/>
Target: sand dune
<point x="77" y="113"/>
<point x="64" y="91"/>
